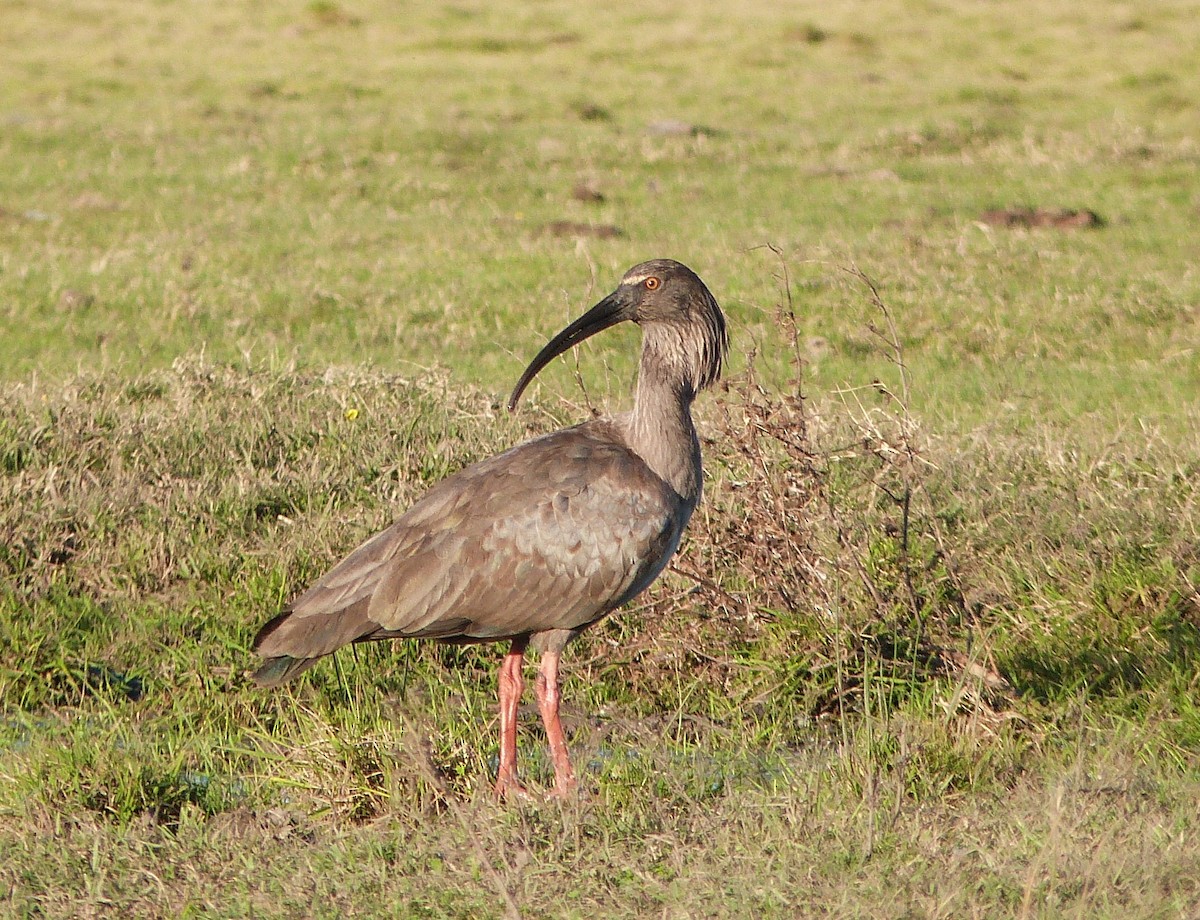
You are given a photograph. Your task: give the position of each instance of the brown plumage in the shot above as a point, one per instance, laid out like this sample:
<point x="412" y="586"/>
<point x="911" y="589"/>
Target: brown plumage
<point x="537" y="543"/>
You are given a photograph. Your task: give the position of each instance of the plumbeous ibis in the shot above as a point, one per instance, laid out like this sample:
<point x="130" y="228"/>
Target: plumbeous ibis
<point x="535" y="545"/>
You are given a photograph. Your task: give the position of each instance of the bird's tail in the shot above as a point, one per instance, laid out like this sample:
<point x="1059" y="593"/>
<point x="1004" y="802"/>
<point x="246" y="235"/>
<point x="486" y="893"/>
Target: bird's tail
<point x="275" y="671"/>
<point x="278" y="667"/>
<point x="291" y="644"/>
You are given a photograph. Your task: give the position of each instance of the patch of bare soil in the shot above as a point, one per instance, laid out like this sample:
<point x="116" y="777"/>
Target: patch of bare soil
<point x="1055" y="218"/>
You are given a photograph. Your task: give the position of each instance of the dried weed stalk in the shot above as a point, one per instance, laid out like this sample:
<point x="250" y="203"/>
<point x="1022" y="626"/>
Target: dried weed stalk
<point x="818" y="539"/>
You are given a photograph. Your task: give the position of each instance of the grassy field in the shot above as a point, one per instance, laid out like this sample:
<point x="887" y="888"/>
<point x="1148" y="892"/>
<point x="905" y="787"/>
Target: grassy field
<point x="930" y="648"/>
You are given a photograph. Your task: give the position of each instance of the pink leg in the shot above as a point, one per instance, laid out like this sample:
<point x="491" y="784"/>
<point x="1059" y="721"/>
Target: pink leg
<point x="548" y="697"/>
<point x="511" y="685"/>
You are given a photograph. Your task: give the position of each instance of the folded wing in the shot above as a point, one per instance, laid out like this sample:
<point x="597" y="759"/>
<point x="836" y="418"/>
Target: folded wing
<point x="550" y="535"/>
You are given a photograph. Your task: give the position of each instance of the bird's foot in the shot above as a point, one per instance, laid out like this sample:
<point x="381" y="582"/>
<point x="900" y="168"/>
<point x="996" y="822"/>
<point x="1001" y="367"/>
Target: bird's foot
<point x="509" y="787"/>
<point x="565" y="784"/>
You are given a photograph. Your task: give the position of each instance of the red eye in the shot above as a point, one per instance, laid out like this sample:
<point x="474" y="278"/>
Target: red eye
<point x="652" y="284"/>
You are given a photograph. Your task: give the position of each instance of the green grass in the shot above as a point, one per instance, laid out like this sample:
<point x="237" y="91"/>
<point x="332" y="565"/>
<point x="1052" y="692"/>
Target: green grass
<point x="343" y="184"/>
<point x="267" y="272"/>
<point x="984" y="702"/>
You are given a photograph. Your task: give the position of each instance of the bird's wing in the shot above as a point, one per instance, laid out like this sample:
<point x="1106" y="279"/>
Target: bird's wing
<point x="549" y="535"/>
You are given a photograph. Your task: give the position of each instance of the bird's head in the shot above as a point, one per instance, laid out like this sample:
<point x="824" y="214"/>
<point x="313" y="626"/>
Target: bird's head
<point x="683" y="325"/>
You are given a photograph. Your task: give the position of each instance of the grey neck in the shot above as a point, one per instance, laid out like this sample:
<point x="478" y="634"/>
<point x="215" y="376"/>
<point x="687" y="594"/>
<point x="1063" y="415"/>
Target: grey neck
<point x="660" y="428"/>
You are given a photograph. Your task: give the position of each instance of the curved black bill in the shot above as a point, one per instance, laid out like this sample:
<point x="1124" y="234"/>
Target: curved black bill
<point x="611" y="310"/>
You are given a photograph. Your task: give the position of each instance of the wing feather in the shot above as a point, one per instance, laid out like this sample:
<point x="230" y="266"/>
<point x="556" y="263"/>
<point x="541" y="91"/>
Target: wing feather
<point x="552" y="534"/>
